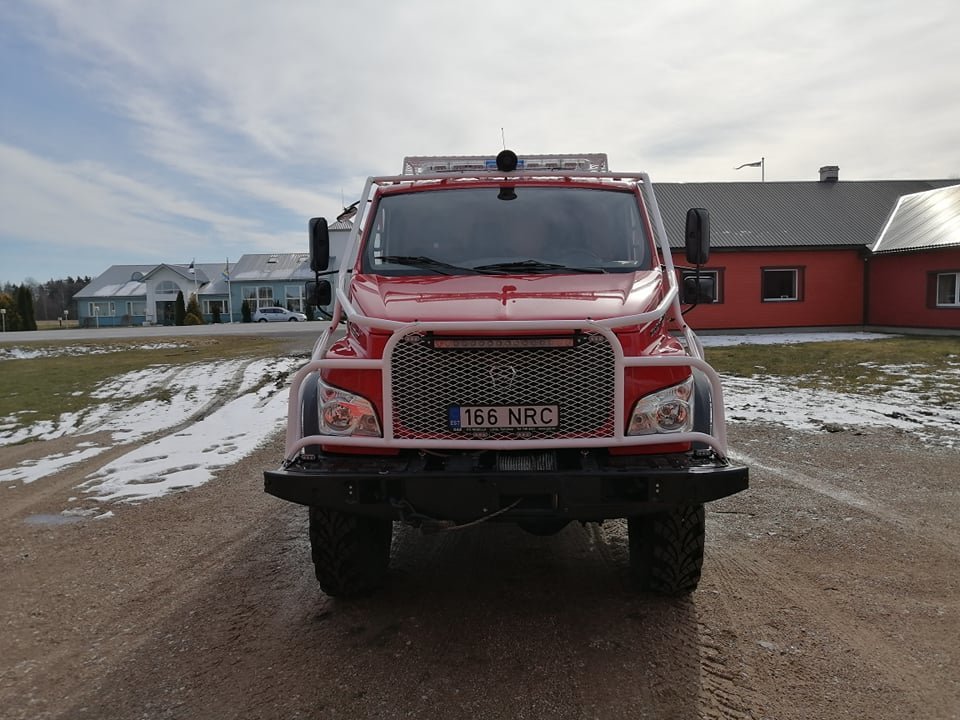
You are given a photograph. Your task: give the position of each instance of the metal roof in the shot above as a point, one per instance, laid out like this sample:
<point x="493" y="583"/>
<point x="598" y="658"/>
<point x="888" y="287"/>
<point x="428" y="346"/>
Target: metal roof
<point x="117" y="281"/>
<point x="788" y="214"/>
<point x="131" y="280"/>
<point x="923" y="221"/>
<point x="181" y="270"/>
<point x="272" y="267"/>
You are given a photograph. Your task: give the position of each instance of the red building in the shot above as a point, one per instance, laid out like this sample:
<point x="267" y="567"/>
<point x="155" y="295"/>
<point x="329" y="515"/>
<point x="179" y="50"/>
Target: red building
<point x="918" y="250"/>
<point x="827" y="253"/>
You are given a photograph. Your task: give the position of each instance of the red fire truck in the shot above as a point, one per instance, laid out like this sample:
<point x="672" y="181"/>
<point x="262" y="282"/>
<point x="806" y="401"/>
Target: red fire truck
<point x="507" y="344"/>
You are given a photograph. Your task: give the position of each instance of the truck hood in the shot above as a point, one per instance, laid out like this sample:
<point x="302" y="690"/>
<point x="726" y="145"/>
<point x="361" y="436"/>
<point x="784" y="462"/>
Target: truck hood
<point x="507" y="297"/>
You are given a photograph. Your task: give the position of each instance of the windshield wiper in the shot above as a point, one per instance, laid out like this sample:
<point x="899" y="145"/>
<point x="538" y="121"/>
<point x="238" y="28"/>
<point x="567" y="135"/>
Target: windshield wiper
<point x="421" y="261"/>
<point x="536" y="266"/>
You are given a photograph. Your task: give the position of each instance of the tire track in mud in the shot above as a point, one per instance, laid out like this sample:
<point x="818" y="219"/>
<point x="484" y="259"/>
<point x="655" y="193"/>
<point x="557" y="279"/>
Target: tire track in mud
<point x="818" y="625"/>
<point x="807" y="607"/>
<point x="722" y="692"/>
<point x="107" y="609"/>
<point x="903" y="523"/>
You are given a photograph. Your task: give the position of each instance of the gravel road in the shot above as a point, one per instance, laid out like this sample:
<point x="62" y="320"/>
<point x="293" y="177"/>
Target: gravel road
<point x="829" y="591"/>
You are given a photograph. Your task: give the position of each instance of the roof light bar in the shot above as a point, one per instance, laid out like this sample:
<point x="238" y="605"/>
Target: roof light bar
<point x="426" y="165"/>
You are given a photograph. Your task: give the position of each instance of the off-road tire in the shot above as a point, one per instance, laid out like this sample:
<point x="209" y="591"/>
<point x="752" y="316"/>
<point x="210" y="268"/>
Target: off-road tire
<point x="351" y="553"/>
<point x="666" y="550"/>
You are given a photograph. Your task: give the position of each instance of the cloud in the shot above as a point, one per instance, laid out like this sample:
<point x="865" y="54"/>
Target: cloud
<point x="243" y="119"/>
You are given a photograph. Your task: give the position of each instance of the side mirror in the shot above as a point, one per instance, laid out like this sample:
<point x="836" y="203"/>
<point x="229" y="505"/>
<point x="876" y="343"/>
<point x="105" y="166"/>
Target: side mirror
<point x="319" y="293"/>
<point x="697" y="289"/>
<point x="319" y="244"/>
<point x="697" y="236"/>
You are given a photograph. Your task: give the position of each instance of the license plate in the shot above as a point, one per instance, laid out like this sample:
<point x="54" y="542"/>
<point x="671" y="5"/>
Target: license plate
<point x="502" y="417"/>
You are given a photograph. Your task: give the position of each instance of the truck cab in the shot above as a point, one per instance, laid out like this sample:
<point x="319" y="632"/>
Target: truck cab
<point x="508" y="345"/>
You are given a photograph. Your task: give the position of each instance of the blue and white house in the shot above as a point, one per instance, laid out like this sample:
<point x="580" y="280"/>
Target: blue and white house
<point x="146" y="294"/>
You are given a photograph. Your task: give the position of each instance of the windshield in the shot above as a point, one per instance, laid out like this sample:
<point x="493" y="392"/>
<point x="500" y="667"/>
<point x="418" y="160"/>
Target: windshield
<point x="477" y="231"/>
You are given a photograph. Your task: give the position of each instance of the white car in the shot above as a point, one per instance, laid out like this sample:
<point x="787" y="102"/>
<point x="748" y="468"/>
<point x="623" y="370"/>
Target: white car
<point x="277" y="314"/>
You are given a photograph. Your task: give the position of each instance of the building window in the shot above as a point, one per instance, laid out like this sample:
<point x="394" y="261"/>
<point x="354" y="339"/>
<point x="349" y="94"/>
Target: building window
<point x="259" y="297"/>
<point x="102" y="309"/>
<point x="948" y="289"/>
<point x="209" y="305"/>
<point x="136" y="308"/>
<point x="167" y="287"/>
<point x="293" y="297"/>
<point x="782" y="284"/>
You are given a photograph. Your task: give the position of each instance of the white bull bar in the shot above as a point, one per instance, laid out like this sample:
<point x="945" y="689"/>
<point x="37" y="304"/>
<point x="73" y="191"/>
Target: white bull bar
<point x="667" y="310"/>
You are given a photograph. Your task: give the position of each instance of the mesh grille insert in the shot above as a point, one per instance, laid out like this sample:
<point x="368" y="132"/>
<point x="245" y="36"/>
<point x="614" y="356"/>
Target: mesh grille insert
<point x="427" y="381"/>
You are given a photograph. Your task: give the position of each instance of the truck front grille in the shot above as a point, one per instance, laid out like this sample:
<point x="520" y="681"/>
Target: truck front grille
<point x="427" y="381"/>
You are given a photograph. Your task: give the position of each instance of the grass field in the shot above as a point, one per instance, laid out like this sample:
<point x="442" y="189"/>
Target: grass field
<point x="59" y="383"/>
<point x="62" y="382"/>
<point x="57" y="324"/>
<point x="924" y="363"/>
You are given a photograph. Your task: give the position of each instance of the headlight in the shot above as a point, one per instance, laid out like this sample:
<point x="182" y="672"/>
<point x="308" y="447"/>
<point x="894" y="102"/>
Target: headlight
<point x="343" y="413"/>
<point x="665" y="411"/>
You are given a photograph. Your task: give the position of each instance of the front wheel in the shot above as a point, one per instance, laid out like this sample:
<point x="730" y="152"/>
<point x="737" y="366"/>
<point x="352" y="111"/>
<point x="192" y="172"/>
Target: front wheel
<point x="262" y="320"/>
<point x="666" y="549"/>
<point x="351" y="553"/>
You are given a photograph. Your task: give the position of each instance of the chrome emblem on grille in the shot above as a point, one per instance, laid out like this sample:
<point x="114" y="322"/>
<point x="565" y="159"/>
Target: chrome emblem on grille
<point x="503" y="376"/>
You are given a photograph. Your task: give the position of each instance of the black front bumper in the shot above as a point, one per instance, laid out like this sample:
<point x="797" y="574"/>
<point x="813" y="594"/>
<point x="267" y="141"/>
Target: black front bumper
<point x="588" y="486"/>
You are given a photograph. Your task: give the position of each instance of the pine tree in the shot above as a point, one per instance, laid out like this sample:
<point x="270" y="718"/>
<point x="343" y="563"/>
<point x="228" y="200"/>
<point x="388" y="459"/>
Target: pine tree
<point x="179" y="310"/>
<point x="245" y="312"/>
<point x="25" y="308"/>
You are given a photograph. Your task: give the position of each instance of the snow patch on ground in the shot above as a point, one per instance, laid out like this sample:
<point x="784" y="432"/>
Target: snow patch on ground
<point x="222" y="411"/>
<point x="136" y="404"/>
<point x="31" y="470"/>
<point x="188" y="459"/>
<point x="773" y="399"/>
<point x="188" y="390"/>
<point x="786" y="338"/>
<point x="28" y="353"/>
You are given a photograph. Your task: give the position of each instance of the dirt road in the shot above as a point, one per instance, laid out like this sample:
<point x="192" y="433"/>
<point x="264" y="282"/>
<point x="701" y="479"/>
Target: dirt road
<point x="830" y="590"/>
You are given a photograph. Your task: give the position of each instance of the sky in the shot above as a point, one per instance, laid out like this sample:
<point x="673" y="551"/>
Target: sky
<point x="168" y="449"/>
<point x="137" y="132"/>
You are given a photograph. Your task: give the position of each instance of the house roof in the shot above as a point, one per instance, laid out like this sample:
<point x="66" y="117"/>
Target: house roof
<point x="131" y="280"/>
<point x="181" y="270"/>
<point x="117" y="281"/>
<point x="788" y="214"/>
<point x="272" y="267"/>
<point x="923" y="221"/>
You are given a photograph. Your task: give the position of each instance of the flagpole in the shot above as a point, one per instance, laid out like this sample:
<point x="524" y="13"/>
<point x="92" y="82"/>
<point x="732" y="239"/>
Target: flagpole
<point x="229" y="294"/>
